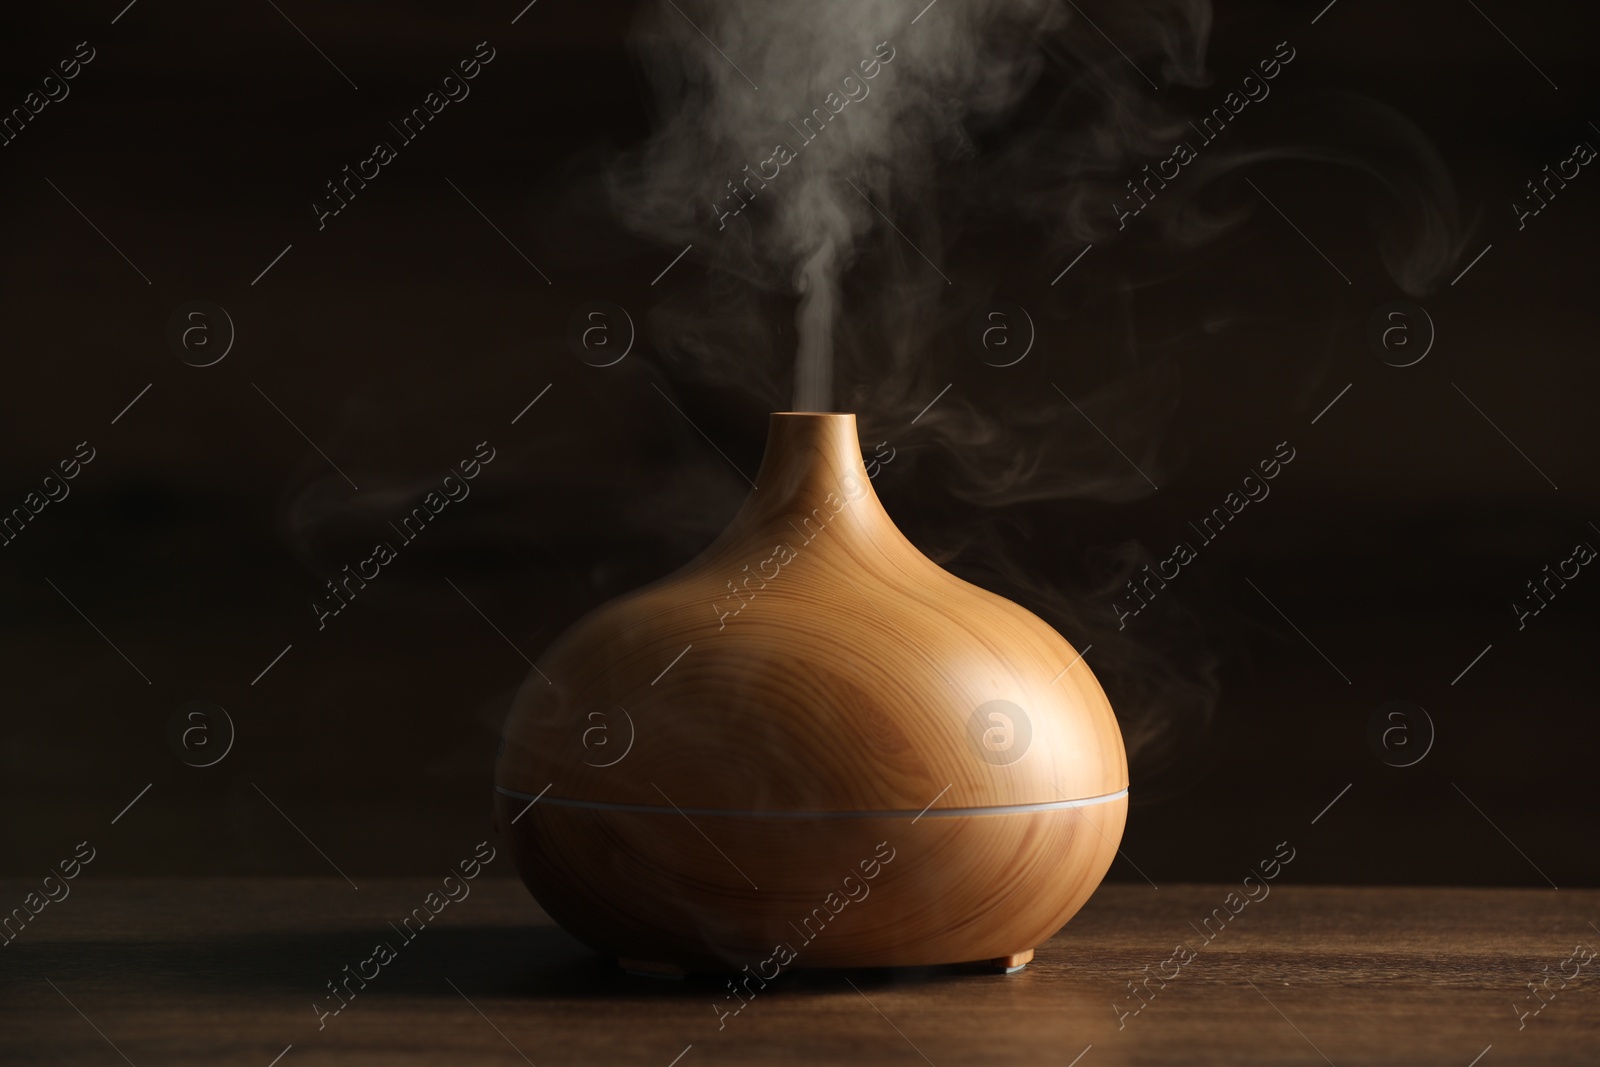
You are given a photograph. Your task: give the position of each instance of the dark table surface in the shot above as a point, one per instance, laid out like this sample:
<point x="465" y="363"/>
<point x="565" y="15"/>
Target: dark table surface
<point x="226" y="971"/>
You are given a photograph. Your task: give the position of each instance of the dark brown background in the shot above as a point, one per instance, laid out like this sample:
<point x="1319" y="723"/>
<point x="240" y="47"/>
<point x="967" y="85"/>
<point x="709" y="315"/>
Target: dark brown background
<point x="408" y="330"/>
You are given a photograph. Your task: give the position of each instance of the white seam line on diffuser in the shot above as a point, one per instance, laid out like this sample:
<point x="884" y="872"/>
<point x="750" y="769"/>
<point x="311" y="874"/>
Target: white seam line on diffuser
<point x="1502" y="833"/>
<point x="713" y="44"/>
<point x="1071" y="665"/>
<point x="674" y="663"/>
<point x="932" y="402"/>
<point x="890" y="1021"/>
<point x="131" y="803"/>
<point x="1502" y="433"/>
<point x="121" y="13"/>
<point x="689" y="1046"/>
<point x="132" y="402"/>
<point x="1102" y="433"/>
<point x="1331" y="803"/>
<point x="280" y="1056"/>
<point x="99" y="231"/>
<point x="702" y="433"/>
<point x="302" y="833"/>
<point x="532" y="402"/>
<point x="674" y="262"/>
<point x="274" y="263"/>
<point x="531" y="803"/>
<point x="302" y="433"/>
<point x="1081" y="1055"/>
<point x="702" y="833"/>
<point x="1301" y="632"/>
<point x="898" y="230"/>
<point x="501" y="632"/>
<point x="524" y="11"/>
<point x="273" y="664"/>
<point x="490" y="1021"/>
<point x="1074" y="263"/>
<point x="656" y="809"/>
<point x="88" y="1020"/>
<point x="924" y="11"/>
<point x="1332" y="402"/>
<point x="97" y="630"/>
<point x="499" y="231"/>
<point x="1288" y="1020"/>
<point x="1474" y="663"/>
<point x="1474" y="263"/>
<point x="1299" y="231"/>
<point x="1480" y="1056"/>
<point x="1324" y="11"/>
<point x="931" y="803"/>
<point x="1057" y="786"/>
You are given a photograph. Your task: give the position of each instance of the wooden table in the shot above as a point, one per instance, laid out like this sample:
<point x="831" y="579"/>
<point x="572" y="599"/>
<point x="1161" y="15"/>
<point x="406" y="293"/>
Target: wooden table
<point x="225" y="971"/>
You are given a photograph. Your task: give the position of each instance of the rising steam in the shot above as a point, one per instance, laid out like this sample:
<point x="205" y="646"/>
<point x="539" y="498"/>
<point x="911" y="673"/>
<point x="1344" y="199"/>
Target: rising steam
<point x="900" y="165"/>
<point x="857" y="106"/>
<point x="1011" y="125"/>
<point x="817" y="282"/>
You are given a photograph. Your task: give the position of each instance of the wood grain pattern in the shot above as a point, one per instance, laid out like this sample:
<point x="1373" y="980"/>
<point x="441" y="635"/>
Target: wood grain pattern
<point x="811" y="660"/>
<point x="954" y="888"/>
<point x="222" y="972"/>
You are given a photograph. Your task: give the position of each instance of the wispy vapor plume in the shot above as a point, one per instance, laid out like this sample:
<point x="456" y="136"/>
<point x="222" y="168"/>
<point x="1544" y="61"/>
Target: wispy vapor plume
<point x="1018" y="129"/>
<point x="785" y="128"/>
<point x="859" y="177"/>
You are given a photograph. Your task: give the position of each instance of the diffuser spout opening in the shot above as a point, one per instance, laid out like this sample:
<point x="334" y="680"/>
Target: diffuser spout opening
<point x="812" y="461"/>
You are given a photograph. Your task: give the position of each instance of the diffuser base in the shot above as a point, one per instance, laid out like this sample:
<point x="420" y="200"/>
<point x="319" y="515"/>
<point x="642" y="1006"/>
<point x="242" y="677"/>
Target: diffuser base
<point x="1013" y="963"/>
<point x="672" y="972"/>
<point x="657" y="892"/>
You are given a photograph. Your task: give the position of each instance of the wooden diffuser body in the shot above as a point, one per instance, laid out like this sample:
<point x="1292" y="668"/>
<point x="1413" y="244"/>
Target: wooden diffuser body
<point x="811" y="747"/>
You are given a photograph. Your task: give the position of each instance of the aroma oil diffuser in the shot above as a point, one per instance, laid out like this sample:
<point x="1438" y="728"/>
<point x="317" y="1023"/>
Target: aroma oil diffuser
<point x="811" y="747"/>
